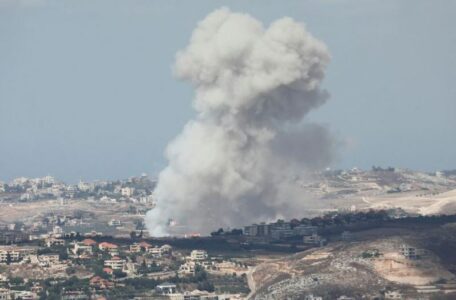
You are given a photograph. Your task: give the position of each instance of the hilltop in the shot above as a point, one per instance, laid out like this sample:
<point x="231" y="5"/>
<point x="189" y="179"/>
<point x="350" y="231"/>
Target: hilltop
<point x="379" y="188"/>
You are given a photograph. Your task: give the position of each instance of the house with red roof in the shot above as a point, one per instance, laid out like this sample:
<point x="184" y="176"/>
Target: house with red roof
<point x="101" y="283"/>
<point x="89" y="242"/>
<point x="108" y="270"/>
<point x="113" y="249"/>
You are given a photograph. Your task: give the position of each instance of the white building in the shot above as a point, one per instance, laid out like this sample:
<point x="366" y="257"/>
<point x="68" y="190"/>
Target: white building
<point x="187" y="268"/>
<point x="115" y="263"/>
<point x="24" y="295"/>
<point x="115" y="223"/>
<point x="166" y="288"/>
<point x="146" y="199"/>
<point x="165" y="249"/>
<point x="48" y="180"/>
<point x="54" y="242"/>
<point x="5" y="294"/>
<point x="57" y="230"/>
<point x="20" y="181"/>
<point x="48" y="259"/>
<point x="9" y="254"/>
<point x="198" y="255"/>
<point x="155" y="251"/>
<point x="127" y="191"/>
<point x="393" y="295"/>
<point x="112" y="249"/>
<point x="82" y="249"/>
<point x="84" y="186"/>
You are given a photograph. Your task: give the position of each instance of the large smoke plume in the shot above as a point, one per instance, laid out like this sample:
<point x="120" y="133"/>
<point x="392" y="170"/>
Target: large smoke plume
<point x="238" y="161"/>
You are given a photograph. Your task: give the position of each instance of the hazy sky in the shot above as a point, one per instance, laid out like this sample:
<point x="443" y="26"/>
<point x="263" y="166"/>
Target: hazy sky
<point x="86" y="90"/>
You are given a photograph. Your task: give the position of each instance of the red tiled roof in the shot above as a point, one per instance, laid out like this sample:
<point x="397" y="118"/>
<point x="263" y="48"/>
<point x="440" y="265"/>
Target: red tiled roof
<point x="145" y="244"/>
<point x="89" y="242"/>
<point x="108" y="245"/>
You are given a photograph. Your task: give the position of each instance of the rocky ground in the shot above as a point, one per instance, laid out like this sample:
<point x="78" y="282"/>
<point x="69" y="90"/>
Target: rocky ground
<point x="364" y="267"/>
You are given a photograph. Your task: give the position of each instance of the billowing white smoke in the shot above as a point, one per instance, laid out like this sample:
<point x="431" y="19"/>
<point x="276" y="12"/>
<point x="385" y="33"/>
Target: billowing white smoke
<point x="238" y="161"/>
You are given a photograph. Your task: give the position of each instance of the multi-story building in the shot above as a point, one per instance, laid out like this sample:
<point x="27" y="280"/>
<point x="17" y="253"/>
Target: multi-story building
<point x="127" y="191"/>
<point x="198" y="255"/>
<point x="302" y="230"/>
<point x="155" y="251"/>
<point x="166" y="288"/>
<point x="261" y="229"/>
<point x="10" y="254"/>
<point x="24" y="295"/>
<point x="5" y="294"/>
<point x="187" y="268"/>
<point x="410" y="252"/>
<point x="135" y="248"/>
<point x="54" y="242"/>
<point x="115" y="263"/>
<point x="48" y="259"/>
<point x="280" y="230"/>
<point x="281" y="233"/>
<point x="81" y="248"/>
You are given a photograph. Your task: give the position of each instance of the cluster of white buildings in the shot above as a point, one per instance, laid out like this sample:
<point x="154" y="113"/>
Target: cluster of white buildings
<point x="155" y="251"/>
<point x="12" y="254"/>
<point x="202" y="259"/>
<point x="169" y="290"/>
<point x="106" y="191"/>
<point x="7" y="294"/>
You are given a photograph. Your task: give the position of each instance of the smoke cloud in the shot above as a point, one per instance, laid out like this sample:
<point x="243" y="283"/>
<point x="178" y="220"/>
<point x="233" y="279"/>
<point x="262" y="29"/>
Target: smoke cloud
<point x="239" y="160"/>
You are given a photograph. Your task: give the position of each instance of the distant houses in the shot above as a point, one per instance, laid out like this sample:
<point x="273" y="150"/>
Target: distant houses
<point x="10" y="254"/>
<point x="278" y="230"/>
<point x="314" y="239"/>
<point x="282" y="230"/>
<point x="84" y="248"/>
<point x="411" y="252"/>
<point x="47" y="260"/>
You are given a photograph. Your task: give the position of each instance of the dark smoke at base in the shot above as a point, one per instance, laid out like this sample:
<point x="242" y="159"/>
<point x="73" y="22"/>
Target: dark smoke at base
<point x="239" y="160"/>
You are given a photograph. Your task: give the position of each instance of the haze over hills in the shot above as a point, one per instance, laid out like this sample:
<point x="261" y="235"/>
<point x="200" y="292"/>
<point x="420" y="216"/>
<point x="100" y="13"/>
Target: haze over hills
<point x="244" y="203"/>
<point x="341" y="190"/>
<point x="378" y="188"/>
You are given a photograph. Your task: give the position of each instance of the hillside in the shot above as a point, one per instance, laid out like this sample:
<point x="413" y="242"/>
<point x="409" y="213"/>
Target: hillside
<point x="413" y="191"/>
<point x="366" y="266"/>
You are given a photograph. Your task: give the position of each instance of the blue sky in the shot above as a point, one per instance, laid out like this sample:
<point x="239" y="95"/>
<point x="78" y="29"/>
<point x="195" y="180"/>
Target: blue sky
<point x="86" y="90"/>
